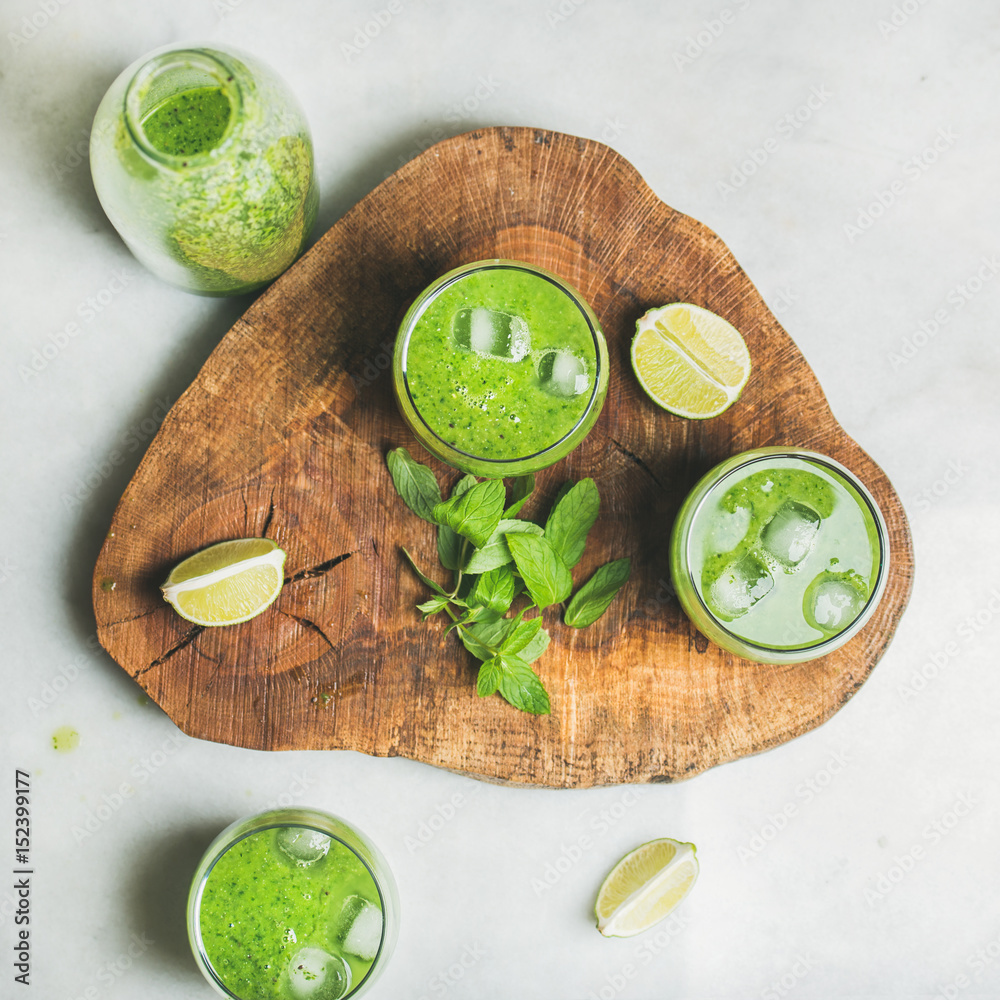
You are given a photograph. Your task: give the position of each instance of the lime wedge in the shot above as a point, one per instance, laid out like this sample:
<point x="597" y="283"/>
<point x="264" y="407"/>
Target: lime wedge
<point x="689" y="361"/>
<point x="227" y="583"/>
<point x="645" y="886"/>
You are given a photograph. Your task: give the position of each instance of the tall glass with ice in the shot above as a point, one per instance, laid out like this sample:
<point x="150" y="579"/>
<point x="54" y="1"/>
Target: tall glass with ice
<point x="500" y="368"/>
<point x="779" y="555"/>
<point x="292" y="904"/>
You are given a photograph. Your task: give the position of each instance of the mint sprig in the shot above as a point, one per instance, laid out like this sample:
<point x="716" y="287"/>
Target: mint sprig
<point x="495" y="557"/>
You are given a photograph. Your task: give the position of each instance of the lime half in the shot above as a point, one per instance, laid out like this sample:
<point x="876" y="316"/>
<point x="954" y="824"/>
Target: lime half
<point x="690" y="361"/>
<point x="645" y="886"/>
<point x="227" y="583"/>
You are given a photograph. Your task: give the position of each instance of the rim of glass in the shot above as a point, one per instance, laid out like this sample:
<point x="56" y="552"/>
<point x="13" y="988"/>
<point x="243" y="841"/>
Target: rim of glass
<point x="203" y="881"/>
<point x="423" y="301"/>
<point x="881" y="530"/>
<point x="164" y="62"/>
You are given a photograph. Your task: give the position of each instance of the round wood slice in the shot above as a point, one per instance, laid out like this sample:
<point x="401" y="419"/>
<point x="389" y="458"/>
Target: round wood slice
<point x="284" y="433"/>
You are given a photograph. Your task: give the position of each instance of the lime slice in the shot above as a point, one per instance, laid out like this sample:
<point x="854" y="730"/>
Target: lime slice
<point x="689" y="361"/>
<point x="645" y="886"/>
<point x="227" y="583"/>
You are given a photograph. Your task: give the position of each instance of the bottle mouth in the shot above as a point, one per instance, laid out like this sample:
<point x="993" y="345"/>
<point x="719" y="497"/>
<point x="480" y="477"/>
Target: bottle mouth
<point x="167" y="75"/>
<point x="736" y="467"/>
<point x="423" y="302"/>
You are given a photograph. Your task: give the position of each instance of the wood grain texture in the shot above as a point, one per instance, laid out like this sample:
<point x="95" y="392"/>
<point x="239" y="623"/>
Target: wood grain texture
<point x="284" y="433"/>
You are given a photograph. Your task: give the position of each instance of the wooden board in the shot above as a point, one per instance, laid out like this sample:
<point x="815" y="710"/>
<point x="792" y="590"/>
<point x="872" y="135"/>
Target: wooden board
<point x="284" y="433"/>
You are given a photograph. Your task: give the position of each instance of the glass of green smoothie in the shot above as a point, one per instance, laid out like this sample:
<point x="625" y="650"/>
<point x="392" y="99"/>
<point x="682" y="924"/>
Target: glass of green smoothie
<point x="779" y="555"/>
<point x="500" y="368"/>
<point x="203" y="162"/>
<point x="292" y="904"/>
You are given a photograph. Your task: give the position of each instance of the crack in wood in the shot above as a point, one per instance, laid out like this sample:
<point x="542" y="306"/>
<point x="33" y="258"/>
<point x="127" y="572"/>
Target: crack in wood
<point x="306" y="623"/>
<point x="131" y="618"/>
<point x="375" y="547"/>
<point x="267" y="520"/>
<point x="186" y="640"/>
<point x="632" y="456"/>
<point x="319" y="570"/>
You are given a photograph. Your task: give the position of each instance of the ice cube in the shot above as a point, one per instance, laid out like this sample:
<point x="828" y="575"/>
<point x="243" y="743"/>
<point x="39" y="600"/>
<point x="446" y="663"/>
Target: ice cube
<point x="728" y="529"/>
<point x="833" y="600"/>
<point x="563" y="373"/>
<point x="359" y="927"/>
<point x="315" y="974"/>
<point x="491" y="333"/>
<point x="304" y="846"/>
<point x="739" y="587"/>
<point x="790" y="534"/>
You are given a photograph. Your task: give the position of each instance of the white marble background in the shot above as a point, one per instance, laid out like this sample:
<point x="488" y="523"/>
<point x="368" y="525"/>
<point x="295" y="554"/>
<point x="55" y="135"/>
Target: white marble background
<point x="881" y="879"/>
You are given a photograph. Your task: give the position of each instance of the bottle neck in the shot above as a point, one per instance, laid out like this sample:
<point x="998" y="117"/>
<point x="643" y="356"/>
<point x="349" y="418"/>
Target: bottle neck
<point x="167" y="77"/>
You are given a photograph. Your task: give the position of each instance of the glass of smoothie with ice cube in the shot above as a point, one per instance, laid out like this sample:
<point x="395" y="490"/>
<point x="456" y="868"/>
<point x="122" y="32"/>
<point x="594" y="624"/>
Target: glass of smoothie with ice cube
<point x="292" y="904"/>
<point x="779" y="555"/>
<point x="500" y="368"/>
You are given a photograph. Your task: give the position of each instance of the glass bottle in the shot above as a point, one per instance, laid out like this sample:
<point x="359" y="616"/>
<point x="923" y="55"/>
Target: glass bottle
<point x="203" y="162"/>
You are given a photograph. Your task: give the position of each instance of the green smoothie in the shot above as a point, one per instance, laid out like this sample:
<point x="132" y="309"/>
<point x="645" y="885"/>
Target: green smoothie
<point x="500" y="368"/>
<point x="778" y="556"/>
<point x="289" y="912"/>
<point x="189" y="123"/>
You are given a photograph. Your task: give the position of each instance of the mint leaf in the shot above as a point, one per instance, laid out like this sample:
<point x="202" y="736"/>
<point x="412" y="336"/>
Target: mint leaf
<point x="494" y="589"/>
<point x="571" y="518"/>
<point x="475" y="513"/>
<point x="521" y="636"/>
<point x="495" y="552"/>
<point x="593" y="598"/>
<point x="492" y="634"/>
<point x="489" y="677"/>
<point x="414" y="482"/>
<point x="535" y="647"/>
<point x="544" y="573"/>
<point x="449" y="543"/>
<point x="431" y="607"/>
<point x="523" y="487"/>
<point x="479" y="649"/>
<point x="436" y="587"/>
<point x="520" y="685"/>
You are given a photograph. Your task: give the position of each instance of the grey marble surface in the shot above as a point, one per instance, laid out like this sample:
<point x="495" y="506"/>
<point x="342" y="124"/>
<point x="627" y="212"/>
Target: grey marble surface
<point x="847" y="154"/>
